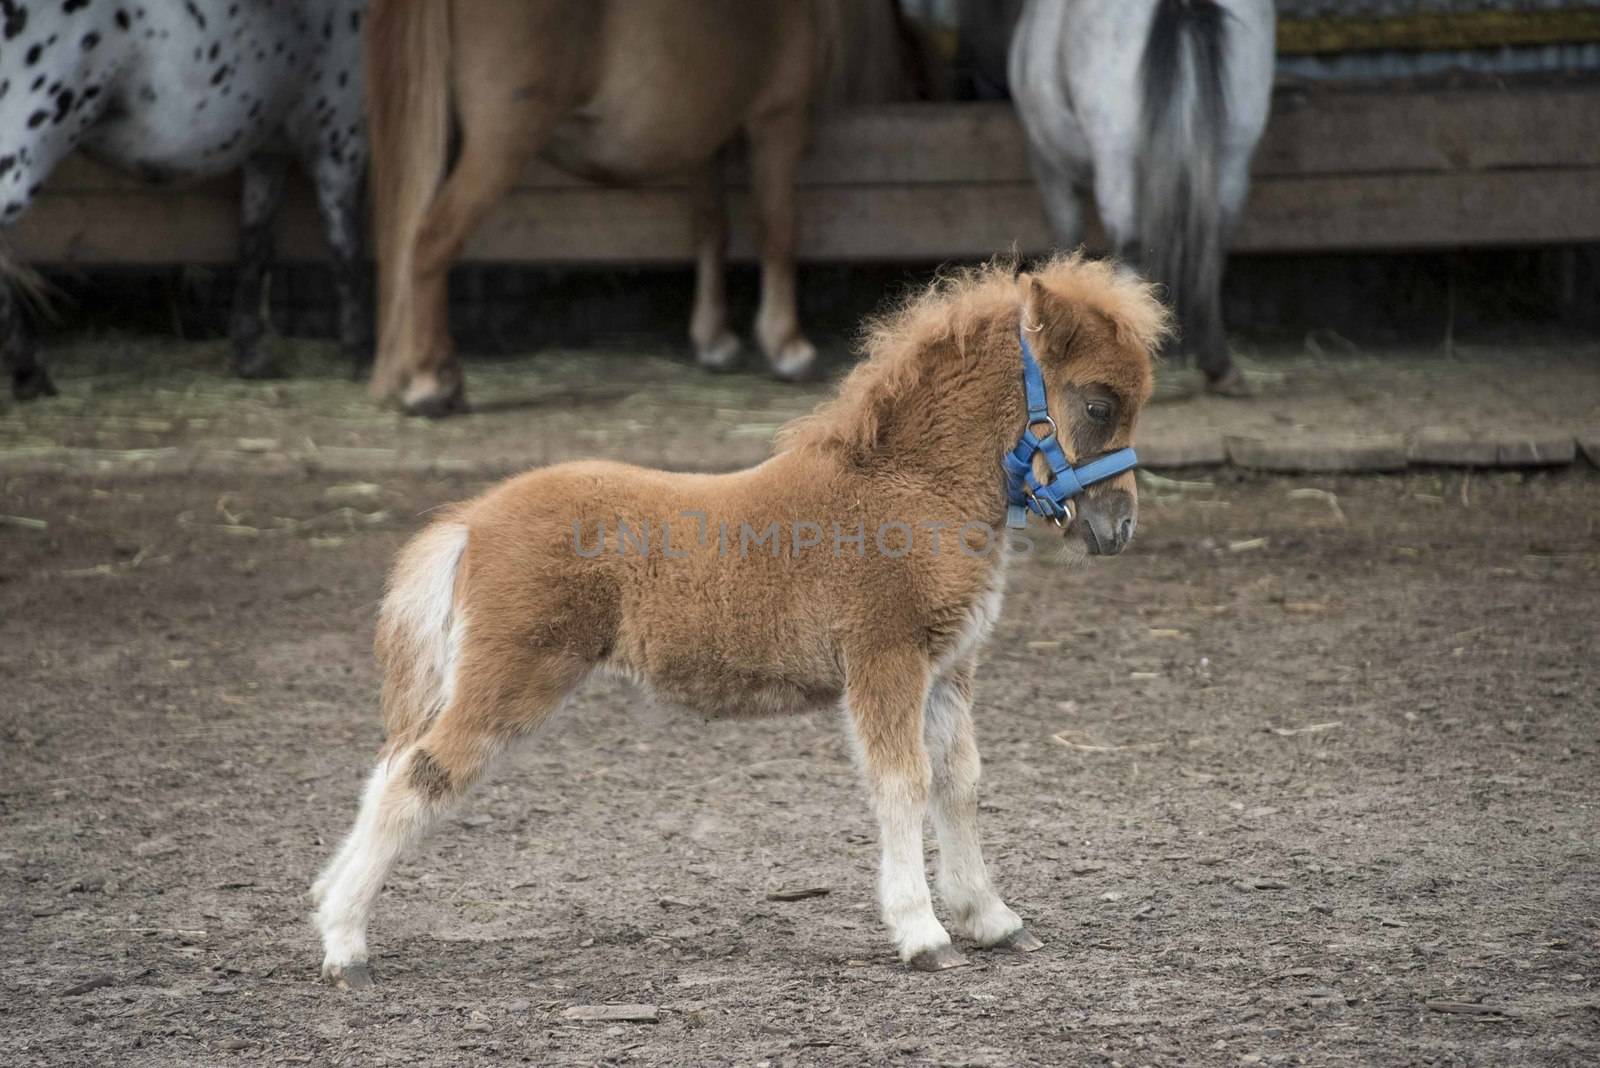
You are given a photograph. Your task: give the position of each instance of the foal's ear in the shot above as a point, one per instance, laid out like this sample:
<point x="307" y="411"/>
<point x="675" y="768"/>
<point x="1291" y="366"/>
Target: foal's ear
<point x="1040" y="313"/>
<point x="1030" y="291"/>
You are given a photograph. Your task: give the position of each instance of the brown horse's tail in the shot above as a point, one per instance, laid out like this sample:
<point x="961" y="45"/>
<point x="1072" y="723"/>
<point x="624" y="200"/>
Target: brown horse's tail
<point x="408" y="121"/>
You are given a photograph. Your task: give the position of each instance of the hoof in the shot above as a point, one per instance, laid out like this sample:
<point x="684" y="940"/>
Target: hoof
<point x="722" y="355"/>
<point x="938" y="959"/>
<point x="353" y="976"/>
<point x="796" y="361"/>
<point x="436" y="402"/>
<point x="31" y="384"/>
<point x="359" y="356"/>
<point x="1229" y="383"/>
<point x="1019" y="941"/>
<point x="256" y="367"/>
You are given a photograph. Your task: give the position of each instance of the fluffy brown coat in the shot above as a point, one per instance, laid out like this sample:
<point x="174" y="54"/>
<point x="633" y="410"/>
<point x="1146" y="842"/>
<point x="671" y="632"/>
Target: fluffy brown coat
<point x="504" y="604"/>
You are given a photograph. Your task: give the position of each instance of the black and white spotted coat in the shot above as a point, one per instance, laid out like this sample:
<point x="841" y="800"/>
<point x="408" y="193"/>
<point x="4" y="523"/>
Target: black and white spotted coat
<point x="174" y="90"/>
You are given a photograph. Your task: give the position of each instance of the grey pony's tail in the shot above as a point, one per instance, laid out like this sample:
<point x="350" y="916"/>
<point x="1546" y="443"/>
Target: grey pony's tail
<point x="1181" y="228"/>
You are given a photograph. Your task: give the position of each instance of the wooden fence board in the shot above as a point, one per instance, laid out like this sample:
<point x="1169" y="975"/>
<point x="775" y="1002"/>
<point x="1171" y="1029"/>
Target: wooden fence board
<point x="1337" y="170"/>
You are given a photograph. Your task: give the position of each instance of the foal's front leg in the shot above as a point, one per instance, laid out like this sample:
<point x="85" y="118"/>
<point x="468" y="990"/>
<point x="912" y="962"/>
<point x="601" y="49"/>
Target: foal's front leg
<point x="885" y="693"/>
<point x="975" y="907"/>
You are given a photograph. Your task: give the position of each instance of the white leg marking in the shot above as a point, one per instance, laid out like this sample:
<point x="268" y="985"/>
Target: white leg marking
<point x="392" y="817"/>
<point x="903" y="883"/>
<point x="976" y="908"/>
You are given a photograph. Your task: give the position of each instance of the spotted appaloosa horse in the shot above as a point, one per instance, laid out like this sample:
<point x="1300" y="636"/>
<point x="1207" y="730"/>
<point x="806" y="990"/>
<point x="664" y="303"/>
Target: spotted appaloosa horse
<point x="183" y="89"/>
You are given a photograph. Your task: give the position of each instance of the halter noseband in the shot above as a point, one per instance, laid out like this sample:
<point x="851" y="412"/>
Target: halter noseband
<point x="1026" y="493"/>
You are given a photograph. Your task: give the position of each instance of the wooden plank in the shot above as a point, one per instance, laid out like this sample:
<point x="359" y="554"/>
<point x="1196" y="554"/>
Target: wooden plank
<point x="923" y="223"/>
<point x="1319" y="453"/>
<point x="1326" y="132"/>
<point x="1421" y="211"/>
<point x="839" y="223"/>
<point x="1360" y="132"/>
<point x="1436" y="31"/>
<point x="613" y="1013"/>
<point x="152" y="226"/>
<point x="920" y="183"/>
<point x="1312" y="133"/>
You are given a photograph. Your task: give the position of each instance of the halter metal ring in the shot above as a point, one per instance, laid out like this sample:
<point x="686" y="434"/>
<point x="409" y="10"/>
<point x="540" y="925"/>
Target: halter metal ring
<point x="1047" y="421"/>
<point x="1054" y="517"/>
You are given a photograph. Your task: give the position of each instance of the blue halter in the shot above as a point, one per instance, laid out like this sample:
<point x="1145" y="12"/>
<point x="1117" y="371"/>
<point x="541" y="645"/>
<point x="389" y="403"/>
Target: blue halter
<point x="1026" y="493"/>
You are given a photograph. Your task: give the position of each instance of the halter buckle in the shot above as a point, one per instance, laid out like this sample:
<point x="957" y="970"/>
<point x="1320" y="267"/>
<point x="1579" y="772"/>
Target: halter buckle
<point x="1049" y="512"/>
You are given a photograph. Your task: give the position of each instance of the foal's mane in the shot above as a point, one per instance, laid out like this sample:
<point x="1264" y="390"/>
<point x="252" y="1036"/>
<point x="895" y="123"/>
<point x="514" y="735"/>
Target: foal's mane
<point x="949" y="326"/>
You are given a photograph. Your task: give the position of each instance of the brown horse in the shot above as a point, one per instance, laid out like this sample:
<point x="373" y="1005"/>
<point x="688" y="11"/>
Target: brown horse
<point x="862" y="566"/>
<point x="616" y="90"/>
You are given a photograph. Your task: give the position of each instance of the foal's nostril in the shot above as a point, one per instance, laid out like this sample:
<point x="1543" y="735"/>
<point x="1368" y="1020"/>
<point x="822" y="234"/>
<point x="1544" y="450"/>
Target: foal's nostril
<point x="1125" y="530"/>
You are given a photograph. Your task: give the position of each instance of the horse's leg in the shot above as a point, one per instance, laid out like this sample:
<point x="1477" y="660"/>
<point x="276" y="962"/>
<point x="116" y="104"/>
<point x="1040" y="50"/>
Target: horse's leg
<point x="777" y="140"/>
<point x="1215" y="357"/>
<point x="1062" y="196"/>
<point x="29" y="159"/>
<point x="338" y="180"/>
<point x="498" y="138"/>
<point x="715" y="346"/>
<point x="964" y="886"/>
<point x="20" y="349"/>
<point x="262" y="196"/>
<point x="500" y="696"/>
<point x="885" y="694"/>
<point x="1116" y="184"/>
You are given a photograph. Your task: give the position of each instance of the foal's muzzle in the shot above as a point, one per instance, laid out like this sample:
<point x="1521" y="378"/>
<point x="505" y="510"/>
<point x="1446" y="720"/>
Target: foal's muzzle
<point x="1106" y="521"/>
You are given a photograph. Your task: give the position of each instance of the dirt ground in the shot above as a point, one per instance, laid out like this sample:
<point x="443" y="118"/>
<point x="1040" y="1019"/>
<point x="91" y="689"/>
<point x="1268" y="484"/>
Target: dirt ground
<point x="152" y="405"/>
<point x="1329" y="798"/>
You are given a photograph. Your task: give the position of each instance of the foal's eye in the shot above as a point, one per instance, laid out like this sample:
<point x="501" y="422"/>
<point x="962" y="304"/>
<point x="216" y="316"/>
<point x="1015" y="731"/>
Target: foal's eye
<point x="1099" y="411"/>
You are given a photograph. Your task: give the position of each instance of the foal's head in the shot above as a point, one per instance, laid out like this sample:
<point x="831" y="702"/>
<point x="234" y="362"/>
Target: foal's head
<point x="1094" y="329"/>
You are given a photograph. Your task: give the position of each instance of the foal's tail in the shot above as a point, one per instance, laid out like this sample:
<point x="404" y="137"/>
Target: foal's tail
<point x="419" y="631"/>
<point x="1180" y="214"/>
<point x="408" y="121"/>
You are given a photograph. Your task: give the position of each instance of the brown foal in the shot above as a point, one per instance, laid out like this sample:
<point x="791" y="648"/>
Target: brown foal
<point x="861" y="566"/>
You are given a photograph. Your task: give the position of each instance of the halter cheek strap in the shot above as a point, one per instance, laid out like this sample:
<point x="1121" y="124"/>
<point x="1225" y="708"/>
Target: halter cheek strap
<point x="1025" y="493"/>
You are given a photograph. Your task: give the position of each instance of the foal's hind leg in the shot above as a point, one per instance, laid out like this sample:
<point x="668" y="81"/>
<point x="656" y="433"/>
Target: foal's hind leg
<point x="262" y="196"/>
<point x="885" y="694"/>
<point x="977" y="911"/>
<point x="415" y="785"/>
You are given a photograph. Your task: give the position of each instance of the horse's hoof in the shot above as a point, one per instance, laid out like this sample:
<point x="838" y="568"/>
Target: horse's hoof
<point x="353" y="976"/>
<point x="257" y="367"/>
<point x="359" y="357"/>
<point x="796" y="361"/>
<point x="1019" y="941"/>
<point x="1230" y="383"/>
<point x="32" y="384"/>
<point x="435" y="403"/>
<point x="722" y="355"/>
<point x="938" y="959"/>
